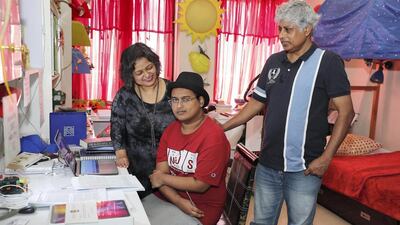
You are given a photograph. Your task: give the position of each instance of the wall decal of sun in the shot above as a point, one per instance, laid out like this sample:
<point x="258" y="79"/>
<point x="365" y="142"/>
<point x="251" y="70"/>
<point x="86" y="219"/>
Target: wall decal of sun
<point x="200" y="18"/>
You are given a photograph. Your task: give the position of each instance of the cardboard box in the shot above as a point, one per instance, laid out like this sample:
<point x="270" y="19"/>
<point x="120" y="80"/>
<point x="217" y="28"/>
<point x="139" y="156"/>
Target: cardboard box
<point x="71" y="124"/>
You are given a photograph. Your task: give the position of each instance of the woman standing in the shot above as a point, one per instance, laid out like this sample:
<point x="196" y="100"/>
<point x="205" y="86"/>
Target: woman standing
<point x="140" y="112"/>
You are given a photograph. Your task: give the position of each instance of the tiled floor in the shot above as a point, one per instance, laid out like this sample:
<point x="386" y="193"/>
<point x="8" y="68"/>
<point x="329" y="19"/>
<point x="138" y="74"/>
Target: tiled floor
<point x="322" y="217"/>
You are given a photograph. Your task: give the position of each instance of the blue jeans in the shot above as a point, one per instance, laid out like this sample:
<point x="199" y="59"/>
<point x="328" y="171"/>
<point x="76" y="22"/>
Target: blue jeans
<point x="272" y="187"/>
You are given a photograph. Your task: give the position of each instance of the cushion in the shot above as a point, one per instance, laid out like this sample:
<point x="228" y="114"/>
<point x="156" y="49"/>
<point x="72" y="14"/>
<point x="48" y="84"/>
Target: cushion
<point x="357" y="145"/>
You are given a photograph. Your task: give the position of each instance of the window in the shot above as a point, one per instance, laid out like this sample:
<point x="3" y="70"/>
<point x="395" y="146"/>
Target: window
<point x="150" y="22"/>
<point x="248" y="37"/>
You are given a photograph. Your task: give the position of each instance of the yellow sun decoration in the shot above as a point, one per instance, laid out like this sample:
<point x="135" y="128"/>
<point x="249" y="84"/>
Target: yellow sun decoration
<point x="200" y="18"/>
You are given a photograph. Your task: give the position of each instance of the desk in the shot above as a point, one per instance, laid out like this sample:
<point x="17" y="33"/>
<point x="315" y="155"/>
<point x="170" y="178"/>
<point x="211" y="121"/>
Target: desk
<point x="61" y="179"/>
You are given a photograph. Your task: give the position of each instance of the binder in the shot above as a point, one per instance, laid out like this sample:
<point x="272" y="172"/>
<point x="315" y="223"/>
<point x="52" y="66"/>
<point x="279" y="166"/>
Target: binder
<point x="72" y="125"/>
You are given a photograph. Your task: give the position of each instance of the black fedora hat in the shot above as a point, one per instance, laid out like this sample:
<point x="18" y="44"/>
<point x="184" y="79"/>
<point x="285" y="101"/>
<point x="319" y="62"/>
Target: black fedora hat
<point x="191" y="81"/>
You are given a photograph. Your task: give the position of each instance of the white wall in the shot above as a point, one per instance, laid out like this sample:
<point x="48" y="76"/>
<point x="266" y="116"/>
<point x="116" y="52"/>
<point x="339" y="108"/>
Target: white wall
<point x="36" y="24"/>
<point x="388" y="121"/>
<point x="66" y="76"/>
<point x="388" y="127"/>
<point x="183" y="46"/>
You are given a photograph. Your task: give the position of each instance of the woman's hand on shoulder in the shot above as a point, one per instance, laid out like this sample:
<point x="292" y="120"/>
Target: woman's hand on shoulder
<point x="122" y="158"/>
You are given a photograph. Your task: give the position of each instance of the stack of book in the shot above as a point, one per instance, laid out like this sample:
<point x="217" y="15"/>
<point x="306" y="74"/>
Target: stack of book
<point x="97" y="148"/>
<point x="94" y="143"/>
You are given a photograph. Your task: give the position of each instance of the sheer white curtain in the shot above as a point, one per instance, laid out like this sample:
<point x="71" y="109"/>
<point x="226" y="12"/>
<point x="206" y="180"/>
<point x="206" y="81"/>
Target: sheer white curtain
<point x="114" y="26"/>
<point x="239" y="62"/>
<point x="248" y="37"/>
<point x="155" y="41"/>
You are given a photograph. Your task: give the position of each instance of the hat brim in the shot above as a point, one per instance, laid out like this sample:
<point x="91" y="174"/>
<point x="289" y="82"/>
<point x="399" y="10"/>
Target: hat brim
<point x="197" y="90"/>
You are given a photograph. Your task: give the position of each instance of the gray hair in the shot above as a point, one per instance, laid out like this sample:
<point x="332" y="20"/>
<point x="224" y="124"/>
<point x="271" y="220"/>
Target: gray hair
<point x="297" y="12"/>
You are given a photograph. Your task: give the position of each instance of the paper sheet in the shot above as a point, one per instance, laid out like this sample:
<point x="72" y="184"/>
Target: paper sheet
<point x="116" y="181"/>
<point x="44" y="167"/>
<point x="81" y="212"/>
<point x="18" y="221"/>
<point x="47" y="198"/>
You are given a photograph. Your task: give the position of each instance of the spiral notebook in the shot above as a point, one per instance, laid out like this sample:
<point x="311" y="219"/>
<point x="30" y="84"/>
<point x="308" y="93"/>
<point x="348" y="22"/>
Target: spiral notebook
<point x="84" y="167"/>
<point x="90" y="155"/>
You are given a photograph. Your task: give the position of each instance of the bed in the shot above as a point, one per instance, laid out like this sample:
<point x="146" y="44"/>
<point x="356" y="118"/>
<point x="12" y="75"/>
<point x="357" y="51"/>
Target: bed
<point x="364" y="189"/>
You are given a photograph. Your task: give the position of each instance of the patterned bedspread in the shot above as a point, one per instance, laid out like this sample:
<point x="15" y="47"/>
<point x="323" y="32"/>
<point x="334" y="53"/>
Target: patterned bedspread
<point x="374" y="180"/>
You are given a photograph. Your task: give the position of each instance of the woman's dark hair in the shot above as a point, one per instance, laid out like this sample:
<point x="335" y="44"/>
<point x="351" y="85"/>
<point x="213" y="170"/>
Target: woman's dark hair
<point x="129" y="57"/>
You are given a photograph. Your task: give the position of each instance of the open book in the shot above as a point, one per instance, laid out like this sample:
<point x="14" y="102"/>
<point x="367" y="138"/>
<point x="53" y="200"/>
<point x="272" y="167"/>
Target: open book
<point x="24" y="160"/>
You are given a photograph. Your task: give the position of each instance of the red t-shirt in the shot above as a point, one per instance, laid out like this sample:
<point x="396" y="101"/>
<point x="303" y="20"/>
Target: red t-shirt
<point x="203" y="155"/>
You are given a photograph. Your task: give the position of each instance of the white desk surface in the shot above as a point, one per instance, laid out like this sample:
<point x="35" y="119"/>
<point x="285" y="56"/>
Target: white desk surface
<point x="61" y="179"/>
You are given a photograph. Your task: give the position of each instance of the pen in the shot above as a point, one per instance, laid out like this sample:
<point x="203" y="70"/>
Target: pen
<point x="190" y="199"/>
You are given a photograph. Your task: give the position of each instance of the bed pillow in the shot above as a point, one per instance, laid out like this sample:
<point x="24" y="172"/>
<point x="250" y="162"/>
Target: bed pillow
<point x="357" y="145"/>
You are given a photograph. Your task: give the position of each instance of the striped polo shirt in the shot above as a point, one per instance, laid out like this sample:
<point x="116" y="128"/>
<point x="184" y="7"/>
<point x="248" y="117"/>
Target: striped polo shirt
<point x="296" y="97"/>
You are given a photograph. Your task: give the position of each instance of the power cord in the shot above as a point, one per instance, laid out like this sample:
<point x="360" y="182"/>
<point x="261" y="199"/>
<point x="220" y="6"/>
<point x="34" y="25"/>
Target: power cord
<point x="14" y="200"/>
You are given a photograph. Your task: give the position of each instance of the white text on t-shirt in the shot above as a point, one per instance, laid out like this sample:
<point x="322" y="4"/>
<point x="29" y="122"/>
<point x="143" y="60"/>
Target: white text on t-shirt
<point x="182" y="160"/>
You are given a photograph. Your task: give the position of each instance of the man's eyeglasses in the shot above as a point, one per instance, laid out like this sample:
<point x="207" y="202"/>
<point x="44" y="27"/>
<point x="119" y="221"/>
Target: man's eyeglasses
<point x="183" y="100"/>
<point x="149" y="68"/>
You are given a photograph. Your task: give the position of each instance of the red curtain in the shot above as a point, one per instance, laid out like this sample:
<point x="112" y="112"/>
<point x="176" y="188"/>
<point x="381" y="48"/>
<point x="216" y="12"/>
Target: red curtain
<point x="247" y="38"/>
<point x="115" y="25"/>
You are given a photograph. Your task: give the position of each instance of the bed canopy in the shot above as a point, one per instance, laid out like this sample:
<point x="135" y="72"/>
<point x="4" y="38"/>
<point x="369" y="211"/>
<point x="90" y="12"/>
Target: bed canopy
<point x="363" y="29"/>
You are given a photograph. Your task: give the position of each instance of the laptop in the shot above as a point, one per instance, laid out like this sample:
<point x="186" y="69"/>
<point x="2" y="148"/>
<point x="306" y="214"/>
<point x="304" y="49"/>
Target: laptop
<point x="83" y="167"/>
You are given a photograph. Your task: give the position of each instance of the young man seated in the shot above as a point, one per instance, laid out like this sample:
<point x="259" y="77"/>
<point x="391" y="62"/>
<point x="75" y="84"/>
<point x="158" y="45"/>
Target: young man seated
<point x="192" y="159"/>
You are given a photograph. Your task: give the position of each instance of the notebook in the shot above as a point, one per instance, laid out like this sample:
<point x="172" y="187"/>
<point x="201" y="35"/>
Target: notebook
<point x="83" y="167"/>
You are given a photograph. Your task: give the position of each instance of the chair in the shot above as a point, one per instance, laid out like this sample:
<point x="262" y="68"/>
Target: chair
<point x="240" y="185"/>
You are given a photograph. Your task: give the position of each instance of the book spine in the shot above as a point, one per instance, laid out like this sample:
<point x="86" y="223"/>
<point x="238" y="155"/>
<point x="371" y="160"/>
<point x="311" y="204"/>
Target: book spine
<point x="99" y="144"/>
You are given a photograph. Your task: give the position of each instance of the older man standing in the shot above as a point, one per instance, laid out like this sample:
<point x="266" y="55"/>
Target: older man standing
<point x="295" y="87"/>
